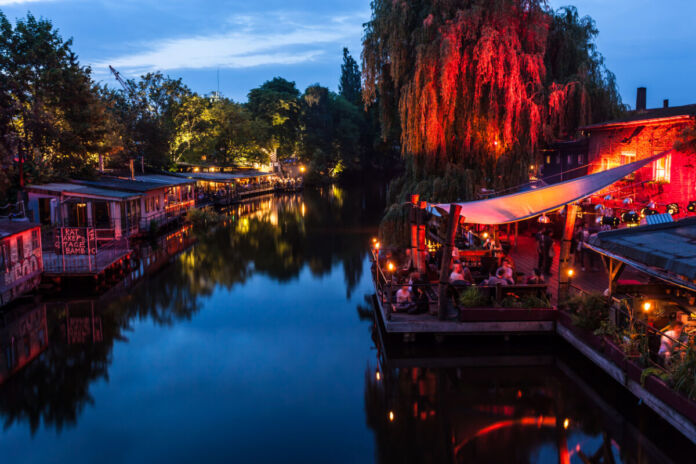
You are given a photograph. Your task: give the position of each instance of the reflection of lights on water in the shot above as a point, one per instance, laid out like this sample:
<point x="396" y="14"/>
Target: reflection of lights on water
<point x="566" y="423"/>
<point x="378" y="376"/>
<point x="302" y="209"/>
<point x="391" y="416"/>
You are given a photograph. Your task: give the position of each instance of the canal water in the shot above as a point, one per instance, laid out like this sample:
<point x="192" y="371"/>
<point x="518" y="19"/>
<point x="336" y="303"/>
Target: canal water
<point x="254" y="342"/>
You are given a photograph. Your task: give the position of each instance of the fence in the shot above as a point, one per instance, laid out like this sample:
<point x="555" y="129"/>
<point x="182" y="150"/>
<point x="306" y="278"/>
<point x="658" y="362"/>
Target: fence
<point x="89" y="256"/>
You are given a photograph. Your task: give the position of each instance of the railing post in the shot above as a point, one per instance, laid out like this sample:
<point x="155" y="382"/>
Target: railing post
<point x="420" y="263"/>
<point x="413" y="212"/>
<point x="564" y="258"/>
<point x="453" y="221"/>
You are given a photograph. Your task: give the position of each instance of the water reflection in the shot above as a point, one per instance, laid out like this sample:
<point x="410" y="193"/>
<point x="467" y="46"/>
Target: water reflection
<point x="54" y="352"/>
<point x="521" y="407"/>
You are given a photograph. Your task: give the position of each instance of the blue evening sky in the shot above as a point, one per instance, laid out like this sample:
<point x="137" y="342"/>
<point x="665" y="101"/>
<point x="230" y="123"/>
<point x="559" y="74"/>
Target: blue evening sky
<point x="645" y="43"/>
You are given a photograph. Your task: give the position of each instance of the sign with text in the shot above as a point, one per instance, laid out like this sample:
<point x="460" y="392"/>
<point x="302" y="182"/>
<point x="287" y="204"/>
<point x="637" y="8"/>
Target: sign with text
<point x="76" y="241"/>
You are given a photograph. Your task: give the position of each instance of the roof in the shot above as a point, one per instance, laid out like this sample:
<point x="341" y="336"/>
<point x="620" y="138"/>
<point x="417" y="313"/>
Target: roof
<point x="226" y="176"/>
<point x="164" y="179"/>
<point x="666" y="251"/>
<point x="9" y="228"/>
<point x="654" y="115"/>
<point x="528" y="204"/>
<point x="58" y="188"/>
<point x="126" y="185"/>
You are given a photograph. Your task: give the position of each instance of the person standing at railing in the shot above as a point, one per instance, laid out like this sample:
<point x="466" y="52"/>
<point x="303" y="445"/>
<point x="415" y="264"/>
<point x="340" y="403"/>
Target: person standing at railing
<point x="670" y="343"/>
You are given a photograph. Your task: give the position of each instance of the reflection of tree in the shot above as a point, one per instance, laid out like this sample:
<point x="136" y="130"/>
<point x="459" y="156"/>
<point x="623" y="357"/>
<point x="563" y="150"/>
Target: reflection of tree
<point x="273" y="236"/>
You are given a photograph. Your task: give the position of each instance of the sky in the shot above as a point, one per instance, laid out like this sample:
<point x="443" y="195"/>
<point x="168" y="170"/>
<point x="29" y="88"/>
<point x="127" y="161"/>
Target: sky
<point x="645" y="42"/>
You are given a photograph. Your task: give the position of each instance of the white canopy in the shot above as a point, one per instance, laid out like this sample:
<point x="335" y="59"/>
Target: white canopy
<point x="524" y="205"/>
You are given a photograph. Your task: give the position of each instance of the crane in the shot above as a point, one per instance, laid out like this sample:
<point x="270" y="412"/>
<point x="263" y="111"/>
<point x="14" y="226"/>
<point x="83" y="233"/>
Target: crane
<point x="127" y="86"/>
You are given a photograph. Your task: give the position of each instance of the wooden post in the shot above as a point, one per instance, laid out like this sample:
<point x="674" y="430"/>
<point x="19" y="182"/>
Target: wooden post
<point x="614" y="269"/>
<point x="455" y="210"/>
<point x="564" y="258"/>
<point x="413" y="213"/>
<point x="421" y="239"/>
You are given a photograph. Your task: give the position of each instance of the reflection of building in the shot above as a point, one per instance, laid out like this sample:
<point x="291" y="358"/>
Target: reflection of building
<point x="23" y="336"/>
<point x="504" y="405"/>
<point x="21" y="263"/>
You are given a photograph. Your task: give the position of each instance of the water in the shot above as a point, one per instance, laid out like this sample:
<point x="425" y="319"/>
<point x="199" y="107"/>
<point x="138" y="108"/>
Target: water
<point x="256" y="344"/>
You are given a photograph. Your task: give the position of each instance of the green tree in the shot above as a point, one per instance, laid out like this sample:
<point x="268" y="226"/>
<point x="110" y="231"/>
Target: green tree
<point x="52" y="118"/>
<point x="275" y="105"/>
<point x="349" y="86"/>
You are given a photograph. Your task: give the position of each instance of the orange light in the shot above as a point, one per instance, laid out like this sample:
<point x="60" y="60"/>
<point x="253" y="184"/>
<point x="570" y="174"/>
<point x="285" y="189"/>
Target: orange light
<point x="485" y="235"/>
<point x="571" y="272"/>
<point x="566" y="423"/>
<point x="390" y="266"/>
<point x="647" y="306"/>
<point x="377" y="246"/>
<point x="302" y="169"/>
<point x="374" y="239"/>
<point x="378" y="376"/>
<point x="391" y="416"/>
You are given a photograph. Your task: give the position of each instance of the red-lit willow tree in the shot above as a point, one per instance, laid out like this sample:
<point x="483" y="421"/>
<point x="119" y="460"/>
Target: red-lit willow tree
<point x="475" y="88"/>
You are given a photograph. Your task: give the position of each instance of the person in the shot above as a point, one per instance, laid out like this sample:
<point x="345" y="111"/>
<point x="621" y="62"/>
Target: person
<point x="457" y="273"/>
<point x="668" y="341"/>
<point x="497" y="279"/>
<point x="407" y="261"/>
<point x="545" y="252"/>
<point x="507" y="271"/>
<point x="536" y="277"/>
<point x="404" y="301"/>
<point x="418" y="293"/>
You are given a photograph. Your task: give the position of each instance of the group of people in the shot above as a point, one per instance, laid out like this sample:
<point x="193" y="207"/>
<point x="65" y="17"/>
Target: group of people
<point x="505" y="274"/>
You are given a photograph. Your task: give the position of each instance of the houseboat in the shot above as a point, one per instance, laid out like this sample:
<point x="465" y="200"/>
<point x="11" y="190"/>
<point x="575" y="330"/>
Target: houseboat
<point x="21" y="262"/>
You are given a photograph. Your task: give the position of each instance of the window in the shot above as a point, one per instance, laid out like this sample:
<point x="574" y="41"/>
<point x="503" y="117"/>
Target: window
<point x="662" y="169"/>
<point x="34" y="239"/>
<point x="20" y="248"/>
<point x="627" y="157"/>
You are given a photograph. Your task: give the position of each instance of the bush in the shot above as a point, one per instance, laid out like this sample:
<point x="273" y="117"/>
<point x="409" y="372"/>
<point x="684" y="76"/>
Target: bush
<point x="472" y="298"/>
<point x="588" y="310"/>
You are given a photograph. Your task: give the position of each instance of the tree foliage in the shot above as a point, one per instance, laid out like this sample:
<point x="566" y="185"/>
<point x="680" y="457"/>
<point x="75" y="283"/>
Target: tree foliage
<point x="349" y="86"/>
<point x="51" y="115"/>
<point x="482" y="84"/>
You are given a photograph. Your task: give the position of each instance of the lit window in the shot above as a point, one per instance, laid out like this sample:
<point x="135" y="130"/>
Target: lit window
<point x="661" y="169"/>
<point x="627" y="157"/>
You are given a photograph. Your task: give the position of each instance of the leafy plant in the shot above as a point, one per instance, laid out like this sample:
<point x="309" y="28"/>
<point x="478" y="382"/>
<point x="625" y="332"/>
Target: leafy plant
<point x="472" y="298"/>
<point x="656" y="371"/>
<point x="203" y="218"/>
<point x="588" y="310"/>
<point x="683" y="374"/>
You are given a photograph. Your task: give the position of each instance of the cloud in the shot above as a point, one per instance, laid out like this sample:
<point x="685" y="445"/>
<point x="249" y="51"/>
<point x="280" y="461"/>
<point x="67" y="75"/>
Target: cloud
<point x="17" y="2"/>
<point x="248" y="41"/>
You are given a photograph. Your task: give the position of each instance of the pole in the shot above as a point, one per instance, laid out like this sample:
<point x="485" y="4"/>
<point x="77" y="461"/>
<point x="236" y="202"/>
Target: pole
<point x="453" y="221"/>
<point x="413" y="213"/>
<point x="421" y="239"/>
<point x="564" y="258"/>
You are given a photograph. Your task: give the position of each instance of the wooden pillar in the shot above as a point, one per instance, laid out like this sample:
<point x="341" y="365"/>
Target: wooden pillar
<point x="564" y="258"/>
<point x="421" y="239"/>
<point x="413" y="219"/>
<point x="453" y="222"/>
<point x="614" y="269"/>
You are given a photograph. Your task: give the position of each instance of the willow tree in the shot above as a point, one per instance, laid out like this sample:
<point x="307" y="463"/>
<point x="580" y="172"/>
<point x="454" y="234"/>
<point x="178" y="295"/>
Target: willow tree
<point x="467" y="82"/>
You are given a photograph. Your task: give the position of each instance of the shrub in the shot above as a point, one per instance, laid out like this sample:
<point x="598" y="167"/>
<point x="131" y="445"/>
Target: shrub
<point x="588" y="310"/>
<point x="203" y="218"/>
<point x="472" y="298"/>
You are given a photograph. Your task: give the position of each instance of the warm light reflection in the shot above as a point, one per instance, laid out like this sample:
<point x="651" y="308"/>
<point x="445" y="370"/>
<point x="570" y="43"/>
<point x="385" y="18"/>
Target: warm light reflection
<point x="571" y="272"/>
<point x="378" y="376"/>
<point x="390" y="266"/>
<point x="647" y="306"/>
<point x="391" y="416"/>
<point x="566" y="423"/>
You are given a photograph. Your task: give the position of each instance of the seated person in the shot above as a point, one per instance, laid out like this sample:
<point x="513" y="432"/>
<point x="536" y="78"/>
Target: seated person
<point x="404" y="301"/>
<point x="536" y="278"/>
<point x="421" y="303"/>
<point x="668" y="341"/>
<point x="497" y="279"/>
<point x="462" y="274"/>
<point x="508" y="271"/>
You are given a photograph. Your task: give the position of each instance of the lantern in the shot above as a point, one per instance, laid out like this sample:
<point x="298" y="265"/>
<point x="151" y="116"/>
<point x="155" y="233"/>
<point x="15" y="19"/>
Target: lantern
<point x="691" y="207"/>
<point x="673" y="208"/>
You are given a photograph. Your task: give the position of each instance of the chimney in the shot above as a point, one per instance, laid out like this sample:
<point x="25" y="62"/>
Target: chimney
<point x="641" y="99"/>
<point x="665" y="103"/>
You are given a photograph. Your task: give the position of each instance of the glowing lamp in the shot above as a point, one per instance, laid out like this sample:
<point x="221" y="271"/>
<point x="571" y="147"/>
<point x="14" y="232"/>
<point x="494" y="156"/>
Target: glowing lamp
<point x="391" y="416"/>
<point x="673" y="208"/>
<point x="566" y="423"/>
<point x="544" y="219"/>
<point x="691" y="207"/>
<point x="390" y="266"/>
<point x="302" y="169"/>
<point x="374" y="239"/>
<point x="378" y="376"/>
<point x="647" y="306"/>
<point x="377" y="246"/>
<point x="571" y="273"/>
<point x="485" y="235"/>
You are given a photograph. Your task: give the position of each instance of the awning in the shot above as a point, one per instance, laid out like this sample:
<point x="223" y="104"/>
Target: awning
<point x="666" y="251"/>
<point x="524" y="205"/>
